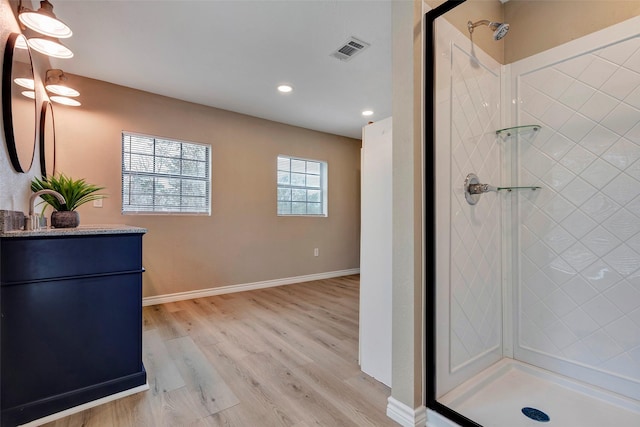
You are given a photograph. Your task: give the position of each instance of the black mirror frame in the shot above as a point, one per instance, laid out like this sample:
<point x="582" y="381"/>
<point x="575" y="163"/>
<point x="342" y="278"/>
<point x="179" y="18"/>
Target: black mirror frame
<point x="7" y="104"/>
<point x="47" y="121"/>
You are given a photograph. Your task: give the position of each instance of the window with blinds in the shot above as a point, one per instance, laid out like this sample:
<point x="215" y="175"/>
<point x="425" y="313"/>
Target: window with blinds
<point x="302" y="187"/>
<point x="164" y="176"/>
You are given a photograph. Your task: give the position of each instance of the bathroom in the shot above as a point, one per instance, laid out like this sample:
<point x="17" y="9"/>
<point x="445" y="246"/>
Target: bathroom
<point x="171" y="244"/>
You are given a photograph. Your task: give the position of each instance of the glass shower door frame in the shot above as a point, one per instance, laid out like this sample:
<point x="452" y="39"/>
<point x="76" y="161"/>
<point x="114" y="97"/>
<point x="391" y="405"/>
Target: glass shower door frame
<point x="429" y="174"/>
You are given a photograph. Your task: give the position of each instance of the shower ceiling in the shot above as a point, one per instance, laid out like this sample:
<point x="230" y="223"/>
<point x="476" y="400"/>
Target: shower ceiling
<point x="233" y="55"/>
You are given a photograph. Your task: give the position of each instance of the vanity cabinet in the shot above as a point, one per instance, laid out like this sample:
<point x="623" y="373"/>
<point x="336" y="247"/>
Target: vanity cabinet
<point x="71" y="329"/>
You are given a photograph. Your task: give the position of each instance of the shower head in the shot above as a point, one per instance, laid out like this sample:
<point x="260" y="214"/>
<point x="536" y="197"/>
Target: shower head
<point x="500" y="28"/>
<point x="501" y="31"/>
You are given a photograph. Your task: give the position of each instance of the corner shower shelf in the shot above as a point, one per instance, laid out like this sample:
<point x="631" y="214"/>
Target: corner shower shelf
<point x="517" y="130"/>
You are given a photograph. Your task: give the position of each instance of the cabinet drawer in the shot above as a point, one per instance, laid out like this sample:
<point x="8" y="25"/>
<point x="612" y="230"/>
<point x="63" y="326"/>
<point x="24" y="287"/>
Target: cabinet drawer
<point x="29" y="259"/>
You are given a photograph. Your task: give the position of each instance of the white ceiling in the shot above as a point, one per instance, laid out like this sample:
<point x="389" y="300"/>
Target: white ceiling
<point x="233" y="54"/>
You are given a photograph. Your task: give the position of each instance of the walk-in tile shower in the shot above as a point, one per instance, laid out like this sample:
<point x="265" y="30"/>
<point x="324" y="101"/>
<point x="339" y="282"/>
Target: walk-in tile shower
<point x="536" y="275"/>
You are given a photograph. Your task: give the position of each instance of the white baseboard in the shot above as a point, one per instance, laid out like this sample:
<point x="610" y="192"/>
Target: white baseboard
<point x="84" y="406"/>
<point x="200" y="293"/>
<point x="405" y="415"/>
<point x="434" y="419"/>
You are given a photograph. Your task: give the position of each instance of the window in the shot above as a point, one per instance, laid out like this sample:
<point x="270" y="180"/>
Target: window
<point x="302" y="187"/>
<point x="165" y="176"/>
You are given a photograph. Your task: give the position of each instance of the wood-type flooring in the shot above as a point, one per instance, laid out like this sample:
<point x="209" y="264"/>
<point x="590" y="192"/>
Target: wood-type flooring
<point x="284" y="356"/>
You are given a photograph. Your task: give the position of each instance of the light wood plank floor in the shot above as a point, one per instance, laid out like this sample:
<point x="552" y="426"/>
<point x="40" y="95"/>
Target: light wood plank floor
<point x="285" y="356"/>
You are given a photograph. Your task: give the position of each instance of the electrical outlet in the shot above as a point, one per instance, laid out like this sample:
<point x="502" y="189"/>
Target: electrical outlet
<point x="97" y="203"/>
<point x="315" y="252"/>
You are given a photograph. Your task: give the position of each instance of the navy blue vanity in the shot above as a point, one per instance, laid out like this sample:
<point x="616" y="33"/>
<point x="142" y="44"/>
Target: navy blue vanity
<point x="71" y="329"/>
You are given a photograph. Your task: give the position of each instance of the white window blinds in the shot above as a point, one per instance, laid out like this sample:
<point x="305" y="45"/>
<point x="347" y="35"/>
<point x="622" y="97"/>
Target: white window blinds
<point x="165" y="176"/>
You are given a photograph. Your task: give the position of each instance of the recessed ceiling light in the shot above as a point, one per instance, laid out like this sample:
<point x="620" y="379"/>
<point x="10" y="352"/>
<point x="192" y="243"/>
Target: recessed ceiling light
<point x="285" y="88"/>
<point x="367" y="113"/>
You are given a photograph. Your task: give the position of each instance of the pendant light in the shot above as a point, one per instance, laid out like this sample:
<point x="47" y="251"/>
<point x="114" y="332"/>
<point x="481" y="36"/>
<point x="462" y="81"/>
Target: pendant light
<point x="44" y="20"/>
<point x="65" y="101"/>
<point x="21" y="43"/>
<point x="55" y="83"/>
<point x="25" y="83"/>
<point x="50" y="46"/>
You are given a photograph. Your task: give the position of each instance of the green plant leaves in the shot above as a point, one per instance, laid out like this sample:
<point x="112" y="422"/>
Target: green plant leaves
<point x="75" y="192"/>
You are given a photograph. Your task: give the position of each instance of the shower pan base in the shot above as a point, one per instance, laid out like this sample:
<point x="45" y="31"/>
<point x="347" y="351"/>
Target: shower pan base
<point x="496" y="397"/>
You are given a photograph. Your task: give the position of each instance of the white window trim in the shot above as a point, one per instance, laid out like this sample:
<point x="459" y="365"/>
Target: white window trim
<point x="324" y="176"/>
<point x="155" y="213"/>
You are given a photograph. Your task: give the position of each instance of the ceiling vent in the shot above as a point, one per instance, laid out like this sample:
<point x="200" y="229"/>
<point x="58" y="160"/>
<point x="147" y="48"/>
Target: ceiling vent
<point x="349" y="49"/>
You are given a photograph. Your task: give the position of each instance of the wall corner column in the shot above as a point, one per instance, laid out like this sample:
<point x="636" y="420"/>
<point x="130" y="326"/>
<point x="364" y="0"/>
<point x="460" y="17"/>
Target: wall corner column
<point x="406" y="404"/>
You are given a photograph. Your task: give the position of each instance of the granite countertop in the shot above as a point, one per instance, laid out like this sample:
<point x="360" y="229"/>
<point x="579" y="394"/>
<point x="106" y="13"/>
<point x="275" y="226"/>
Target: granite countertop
<point x="82" y="230"/>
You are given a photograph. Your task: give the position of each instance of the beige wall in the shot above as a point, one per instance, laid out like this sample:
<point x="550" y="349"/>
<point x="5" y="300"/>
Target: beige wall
<point x="540" y="25"/>
<point x="243" y="241"/>
<point x="407" y="327"/>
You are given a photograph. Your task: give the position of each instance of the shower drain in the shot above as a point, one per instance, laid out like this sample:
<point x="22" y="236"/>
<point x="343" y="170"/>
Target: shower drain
<point x="535" y="414"/>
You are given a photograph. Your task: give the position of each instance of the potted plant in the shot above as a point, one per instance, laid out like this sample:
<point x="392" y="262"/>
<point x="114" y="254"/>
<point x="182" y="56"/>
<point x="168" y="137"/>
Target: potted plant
<point x="76" y="192"/>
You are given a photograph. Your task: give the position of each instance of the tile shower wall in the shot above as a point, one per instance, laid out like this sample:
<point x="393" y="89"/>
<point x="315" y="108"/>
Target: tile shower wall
<point x="468" y="114"/>
<point x="579" y="255"/>
<point x="475" y="230"/>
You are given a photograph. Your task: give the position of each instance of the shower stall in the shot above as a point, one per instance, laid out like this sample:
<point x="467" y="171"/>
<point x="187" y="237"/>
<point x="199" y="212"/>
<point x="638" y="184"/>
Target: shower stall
<point x="532" y="178"/>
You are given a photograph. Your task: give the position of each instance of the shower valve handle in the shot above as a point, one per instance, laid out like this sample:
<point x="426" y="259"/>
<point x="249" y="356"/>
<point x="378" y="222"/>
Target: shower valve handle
<point x="481" y="188"/>
<point x="473" y="188"/>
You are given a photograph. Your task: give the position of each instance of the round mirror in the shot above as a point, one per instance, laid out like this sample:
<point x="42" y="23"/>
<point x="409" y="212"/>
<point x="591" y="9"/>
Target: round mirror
<point x="47" y="140"/>
<point x="19" y="103"/>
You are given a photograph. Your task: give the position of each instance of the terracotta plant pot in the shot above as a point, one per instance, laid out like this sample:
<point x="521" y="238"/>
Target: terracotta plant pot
<point x="65" y="219"/>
